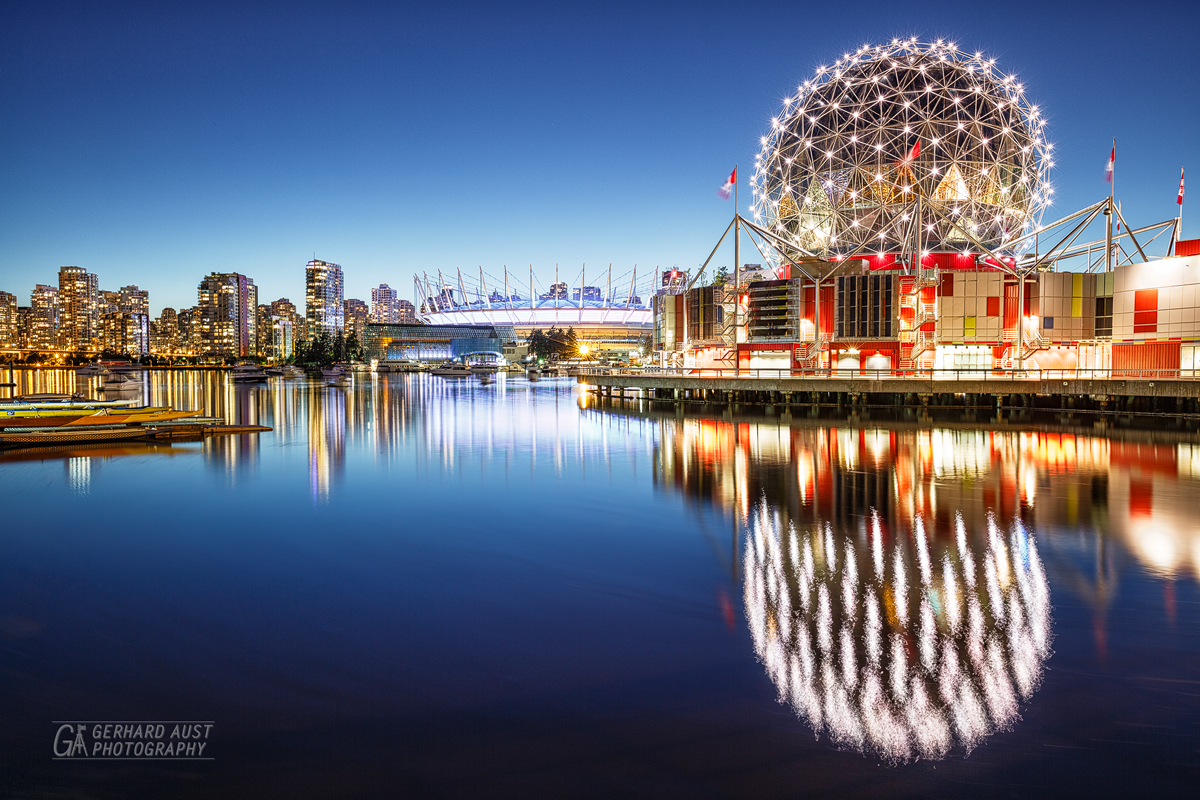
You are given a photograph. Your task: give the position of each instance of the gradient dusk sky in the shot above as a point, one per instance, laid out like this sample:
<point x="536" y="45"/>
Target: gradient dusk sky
<point x="153" y="143"/>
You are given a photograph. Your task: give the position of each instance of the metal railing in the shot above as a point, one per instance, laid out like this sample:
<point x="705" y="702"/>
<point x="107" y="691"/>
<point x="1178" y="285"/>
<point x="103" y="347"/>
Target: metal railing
<point x="934" y="373"/>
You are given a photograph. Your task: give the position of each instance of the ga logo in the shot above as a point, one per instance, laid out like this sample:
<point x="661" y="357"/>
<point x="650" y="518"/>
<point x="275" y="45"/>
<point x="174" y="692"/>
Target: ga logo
<point x="67" y="745"/>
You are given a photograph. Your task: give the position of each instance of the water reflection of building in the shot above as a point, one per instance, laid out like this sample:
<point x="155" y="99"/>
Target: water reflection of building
<point x="893" y="585"/>
<point x="326" y="440"/>
<point x="902" y="644"/>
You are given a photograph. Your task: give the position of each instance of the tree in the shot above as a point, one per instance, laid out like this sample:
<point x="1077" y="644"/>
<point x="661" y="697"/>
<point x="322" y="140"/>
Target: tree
<point x="314" y="353"/>
<point x="720" y="277"/>
<point x="339" y="346"/>
<point x="645" y="342"/>
<point x="554" y="344"/>
<point x="354" y="349"/>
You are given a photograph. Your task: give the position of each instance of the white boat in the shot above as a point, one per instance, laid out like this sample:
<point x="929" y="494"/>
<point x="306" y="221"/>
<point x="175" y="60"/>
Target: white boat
<point x="399" y="365"/>
<point x="121" y="380"/>
<point x="452" y="370"/>
<point x="248" y="373"/>
<point x="333" y="373"/>
<point x="90" y="369"/>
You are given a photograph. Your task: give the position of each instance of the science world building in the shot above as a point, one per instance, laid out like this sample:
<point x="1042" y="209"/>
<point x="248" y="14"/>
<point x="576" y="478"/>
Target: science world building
<point x="897" y="203"/>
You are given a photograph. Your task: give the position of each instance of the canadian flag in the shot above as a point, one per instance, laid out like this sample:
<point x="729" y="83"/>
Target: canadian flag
<point x="1179" y="199"/>
<point x="1112" y="163"/>
<point x="727" y="188"/>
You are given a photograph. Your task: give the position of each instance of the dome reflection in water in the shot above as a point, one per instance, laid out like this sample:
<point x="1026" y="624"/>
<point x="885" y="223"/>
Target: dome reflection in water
<point x="895" y="644"/>
<point x="892" y="582"/>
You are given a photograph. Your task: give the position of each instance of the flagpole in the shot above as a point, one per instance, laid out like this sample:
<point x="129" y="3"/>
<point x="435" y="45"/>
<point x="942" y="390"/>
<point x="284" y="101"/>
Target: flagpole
<point x="737" y="269"/>
<point x="1179" y="217"/>
<point x="1112" y="193"/>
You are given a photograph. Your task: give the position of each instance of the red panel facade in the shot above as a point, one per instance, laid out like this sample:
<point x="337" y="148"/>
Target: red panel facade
<point x="1188" y="247"/>
<point x="1145" y="360"/>
<point x="1145" y="311"/>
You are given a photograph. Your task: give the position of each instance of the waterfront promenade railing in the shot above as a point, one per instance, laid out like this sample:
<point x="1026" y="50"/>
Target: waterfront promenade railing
<point x="936" y="373"/>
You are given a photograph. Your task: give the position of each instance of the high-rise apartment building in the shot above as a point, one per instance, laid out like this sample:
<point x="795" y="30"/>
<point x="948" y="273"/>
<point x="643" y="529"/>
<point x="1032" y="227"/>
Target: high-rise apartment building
<point x="134" y="300"/>
<point x="323" y="298"/>
<point x="107" y="303"/>
<point x="79" y="299"/>
<point x="263" y="329"/>
<point x="189" y="330"/>
<point x="383" y="305"/>
<point x="24" y="327"/>
<point x="285" y="309"/>
<point x="45" y="317"/>
<point x="164" y="333"/>
<point x="8" y="320"/>
<point x="228" y="311"/>
<point x="121" y="332"/>
<point x="356" y="315"/>
<point x="406" y="312"/>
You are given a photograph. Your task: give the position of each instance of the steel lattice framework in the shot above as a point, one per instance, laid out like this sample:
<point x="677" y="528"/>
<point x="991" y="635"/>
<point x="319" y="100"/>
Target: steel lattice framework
<point x="900" y="134"/>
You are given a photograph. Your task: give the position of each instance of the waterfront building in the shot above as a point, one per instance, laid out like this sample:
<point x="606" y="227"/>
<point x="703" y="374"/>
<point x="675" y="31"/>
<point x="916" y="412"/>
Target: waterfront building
<point x="78" y="297"/>
<point x="45" y="317"/>
<point x="262" y="327"/>
<point x="24" y="327"/>
<point x="406" y="312"/>
<point x="283" y="338"/>
<point x="164" y="333"/>
<point x="435" y="342"/>
<point x="190" y="326"/>
<point x="384" y="305"/>
<point x="227" y="308"/>
<point x="134" y="300"/>
<point x="284" y="309"/>
<point x="122" y="332"/>
<point x="356" y="314"/>
<point x="8" y="319"/>
<point x="107" y="303"/>
<point x="323" y="299"/>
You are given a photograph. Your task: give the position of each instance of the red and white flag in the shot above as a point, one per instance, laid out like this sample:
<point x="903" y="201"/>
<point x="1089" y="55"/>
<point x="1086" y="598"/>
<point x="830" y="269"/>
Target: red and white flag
<point x="1112" y="163"/>
<point x="916" y="151"/>
<point x="1179" y="199"/>
<point x="727" y="188"/>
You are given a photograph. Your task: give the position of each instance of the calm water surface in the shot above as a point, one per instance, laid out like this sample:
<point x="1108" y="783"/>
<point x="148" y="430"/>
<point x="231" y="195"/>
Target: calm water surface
<point x="435" y="588"/>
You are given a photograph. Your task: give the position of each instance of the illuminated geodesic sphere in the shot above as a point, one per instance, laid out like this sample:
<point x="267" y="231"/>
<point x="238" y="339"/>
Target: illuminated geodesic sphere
<point x="903" y="649"/>
<point x="857" y="144"/>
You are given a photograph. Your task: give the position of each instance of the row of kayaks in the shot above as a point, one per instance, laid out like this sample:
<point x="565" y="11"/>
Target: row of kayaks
<point x="55" y="411"/>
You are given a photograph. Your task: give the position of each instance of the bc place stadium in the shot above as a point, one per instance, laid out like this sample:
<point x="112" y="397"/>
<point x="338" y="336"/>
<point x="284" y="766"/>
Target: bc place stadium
<point x="608" y="309"/>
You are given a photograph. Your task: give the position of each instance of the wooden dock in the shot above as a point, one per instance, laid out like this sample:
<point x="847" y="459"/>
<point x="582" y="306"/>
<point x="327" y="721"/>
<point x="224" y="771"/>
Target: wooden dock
<point x="1106" y="397"/>
<point x="57" y="437"/>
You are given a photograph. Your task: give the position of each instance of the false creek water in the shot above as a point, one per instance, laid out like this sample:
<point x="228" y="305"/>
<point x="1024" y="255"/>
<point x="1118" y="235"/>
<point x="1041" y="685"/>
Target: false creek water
<point x="438" y="588"/>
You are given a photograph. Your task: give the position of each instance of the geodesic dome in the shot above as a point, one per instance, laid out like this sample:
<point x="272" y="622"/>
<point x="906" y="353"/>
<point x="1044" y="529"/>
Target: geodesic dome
<point x="853" y="149"/>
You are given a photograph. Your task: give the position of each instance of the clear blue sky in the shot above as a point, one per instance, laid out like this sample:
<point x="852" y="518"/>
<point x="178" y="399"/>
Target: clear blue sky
<point x="153" y="143"/>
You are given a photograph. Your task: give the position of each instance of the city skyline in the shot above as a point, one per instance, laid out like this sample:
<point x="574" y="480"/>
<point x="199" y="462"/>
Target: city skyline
<point x="592" y="136"/>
